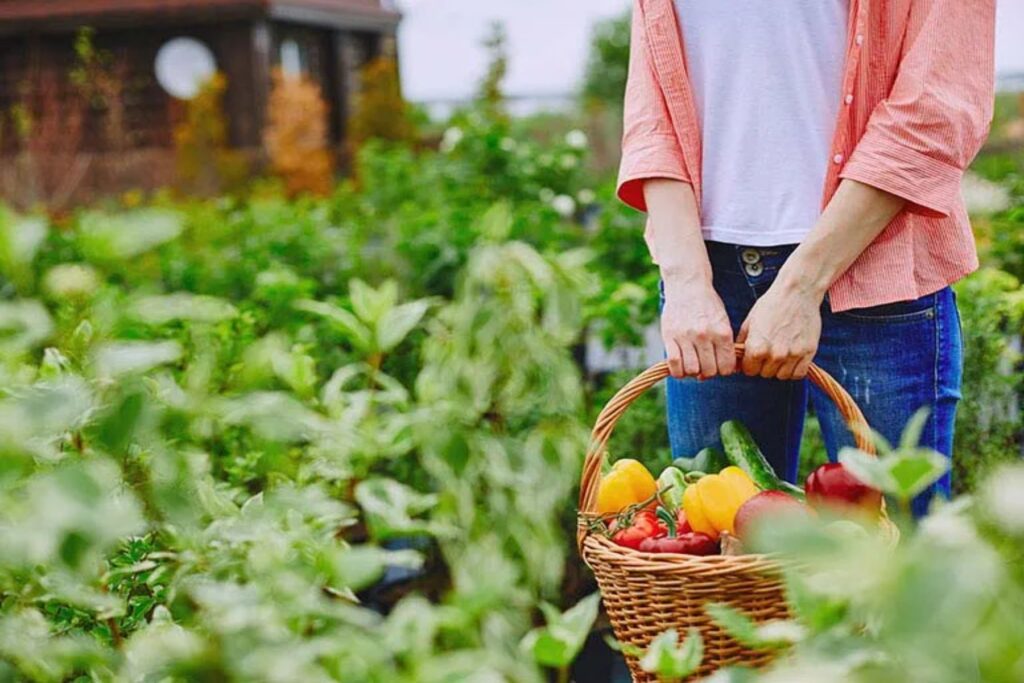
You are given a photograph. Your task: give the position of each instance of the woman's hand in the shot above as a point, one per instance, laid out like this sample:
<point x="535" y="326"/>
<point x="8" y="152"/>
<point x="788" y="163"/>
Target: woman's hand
<point x="696" y="330"/>
<point x="782" y="331"/>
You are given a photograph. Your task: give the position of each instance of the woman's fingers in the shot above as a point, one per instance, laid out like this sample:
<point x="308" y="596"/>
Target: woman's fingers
<point x="675" y="359"/>
<point x="725" y="355"/>
<point x="754" y="357"/>
<point x="788" y="368"/>
<point x="770" y="367"/>
<point x="706" y="357"/>
<point x="803" y="367"/>
<point x="691" y="361"/>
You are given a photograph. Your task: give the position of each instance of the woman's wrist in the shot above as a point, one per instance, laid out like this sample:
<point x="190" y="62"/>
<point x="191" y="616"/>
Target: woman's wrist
<point x="686" y="275"/>
<point x="805" y="276"/>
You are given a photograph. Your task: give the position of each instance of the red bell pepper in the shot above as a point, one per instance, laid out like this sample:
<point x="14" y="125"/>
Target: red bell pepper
<point x="692" y="543"/>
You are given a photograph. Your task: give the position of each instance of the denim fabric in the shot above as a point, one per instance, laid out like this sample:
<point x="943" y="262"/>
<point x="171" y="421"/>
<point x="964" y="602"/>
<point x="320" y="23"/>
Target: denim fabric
<point x="893" y="359"/>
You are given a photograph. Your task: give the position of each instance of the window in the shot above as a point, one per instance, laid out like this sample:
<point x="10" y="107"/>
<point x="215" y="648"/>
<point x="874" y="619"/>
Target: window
<point x="183" y="65"/>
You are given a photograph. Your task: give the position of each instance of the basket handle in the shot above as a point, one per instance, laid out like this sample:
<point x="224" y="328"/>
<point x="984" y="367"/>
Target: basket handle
<point x="592" y="466"/>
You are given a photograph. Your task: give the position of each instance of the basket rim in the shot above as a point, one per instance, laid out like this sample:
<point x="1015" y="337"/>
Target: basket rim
<point x="610" y="551"/>
<point x="596" y="542"/>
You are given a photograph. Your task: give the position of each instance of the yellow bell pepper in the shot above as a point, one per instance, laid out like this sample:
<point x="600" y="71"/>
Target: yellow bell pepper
<point x="628" y="483"/>
<point x="712" y="503"/>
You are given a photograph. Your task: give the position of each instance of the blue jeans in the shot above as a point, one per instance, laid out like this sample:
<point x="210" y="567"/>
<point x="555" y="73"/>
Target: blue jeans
<point x="893" y="359"/>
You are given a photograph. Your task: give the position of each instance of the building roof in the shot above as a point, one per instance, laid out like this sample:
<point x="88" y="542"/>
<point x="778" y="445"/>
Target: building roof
<point x="59" y="15"/>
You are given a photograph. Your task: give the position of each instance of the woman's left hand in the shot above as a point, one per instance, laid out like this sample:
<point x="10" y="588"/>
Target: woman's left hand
<point x="782" y="331"/>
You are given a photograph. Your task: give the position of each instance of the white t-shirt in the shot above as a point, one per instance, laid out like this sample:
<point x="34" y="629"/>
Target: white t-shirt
<point x="767" y="80"/>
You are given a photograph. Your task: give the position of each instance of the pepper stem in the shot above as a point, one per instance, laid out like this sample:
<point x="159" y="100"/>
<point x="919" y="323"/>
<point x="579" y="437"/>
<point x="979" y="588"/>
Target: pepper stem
<point x="670" y="521"/>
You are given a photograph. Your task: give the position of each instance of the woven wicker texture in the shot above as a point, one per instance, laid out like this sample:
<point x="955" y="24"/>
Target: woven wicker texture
<point x="646" y="594"/>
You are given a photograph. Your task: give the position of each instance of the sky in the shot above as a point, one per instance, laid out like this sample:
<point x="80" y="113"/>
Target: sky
<point x="548" y="41"/>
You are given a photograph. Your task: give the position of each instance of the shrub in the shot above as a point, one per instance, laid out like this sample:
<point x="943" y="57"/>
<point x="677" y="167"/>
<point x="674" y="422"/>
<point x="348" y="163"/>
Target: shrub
<point x="296" y="136"/>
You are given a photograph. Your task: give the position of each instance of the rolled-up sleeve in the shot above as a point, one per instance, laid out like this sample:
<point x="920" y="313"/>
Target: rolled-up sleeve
<point x="923" y="136"/>
<point x="650" y="148"/>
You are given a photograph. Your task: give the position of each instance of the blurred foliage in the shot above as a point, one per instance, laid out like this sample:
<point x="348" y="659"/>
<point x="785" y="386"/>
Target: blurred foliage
<point x="296" y="135"/>
<point x="379" y="111"/>
<point x="608" y="65"/>
<point x="206" y="163"/>
<point x="491" y="95"/>
<point x="942" y="606"/>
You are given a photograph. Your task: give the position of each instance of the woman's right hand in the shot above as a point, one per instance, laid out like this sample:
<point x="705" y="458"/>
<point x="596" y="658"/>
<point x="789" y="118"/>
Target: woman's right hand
<point x="696" y="330"/>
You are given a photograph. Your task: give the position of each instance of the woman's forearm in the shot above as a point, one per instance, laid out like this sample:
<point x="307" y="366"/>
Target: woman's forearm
<point x="678" y="245"/>
<point x="857" y="214"/>
<point x="694" y="324"/>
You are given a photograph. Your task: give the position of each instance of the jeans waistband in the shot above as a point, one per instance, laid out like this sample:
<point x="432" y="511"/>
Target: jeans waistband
<point x="757" y="264"/>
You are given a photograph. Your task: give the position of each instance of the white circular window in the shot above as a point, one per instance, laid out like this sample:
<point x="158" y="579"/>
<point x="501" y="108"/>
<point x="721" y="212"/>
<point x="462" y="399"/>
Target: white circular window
<point x="183" y="65"/>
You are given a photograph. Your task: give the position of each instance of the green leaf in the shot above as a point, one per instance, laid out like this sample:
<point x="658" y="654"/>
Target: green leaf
<point x="666" y="658"/>
<point x="115" y="359"/>
<point x="23" y="325"/>
<point x="912" y="432"/>
<point x="372" y="304"/>
<point x="158" y="310"/>
<point x="343" y="321"/>
<point x="915" y="471"/>
<point x="118" y="427"/>
<point x="558" y="644"/>
<point x="736" y="623"/>
<point x="869" y="469"/>
<point x="496" y="224"/>
<point x="118" y="237"/>
<point x="391" y="507"/>
<point x="775" y="634"/>
<point x="360" y="566"/>
<point x="396" y="324"/>
<point x="904" y="473"/>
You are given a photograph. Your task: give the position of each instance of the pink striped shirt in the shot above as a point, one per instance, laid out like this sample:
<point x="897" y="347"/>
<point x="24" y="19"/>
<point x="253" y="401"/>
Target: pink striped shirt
<point x="916" y="107"/>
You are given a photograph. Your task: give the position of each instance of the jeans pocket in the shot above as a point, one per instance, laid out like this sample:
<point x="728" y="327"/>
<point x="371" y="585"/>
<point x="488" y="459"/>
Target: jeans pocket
<point x="896" y="312"/>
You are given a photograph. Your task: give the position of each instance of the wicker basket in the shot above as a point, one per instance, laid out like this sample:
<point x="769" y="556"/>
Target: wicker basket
<point x="646" y="594"/>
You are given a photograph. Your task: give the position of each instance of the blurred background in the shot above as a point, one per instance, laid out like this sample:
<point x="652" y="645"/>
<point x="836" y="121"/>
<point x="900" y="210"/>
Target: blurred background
<point x="99" y="97"/>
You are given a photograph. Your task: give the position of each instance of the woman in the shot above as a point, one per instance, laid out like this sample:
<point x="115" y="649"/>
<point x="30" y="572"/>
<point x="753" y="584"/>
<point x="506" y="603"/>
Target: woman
<point x="800" y="162"/>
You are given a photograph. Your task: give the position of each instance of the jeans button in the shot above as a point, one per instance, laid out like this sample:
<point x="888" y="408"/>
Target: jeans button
<point x="754" y="269"/>
<point x="750" y="256"/>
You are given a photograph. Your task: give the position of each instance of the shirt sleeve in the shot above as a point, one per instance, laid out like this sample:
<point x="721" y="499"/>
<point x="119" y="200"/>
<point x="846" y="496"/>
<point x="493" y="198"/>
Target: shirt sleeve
<point x="920" y="139"/>
<point x="650" y="147"/>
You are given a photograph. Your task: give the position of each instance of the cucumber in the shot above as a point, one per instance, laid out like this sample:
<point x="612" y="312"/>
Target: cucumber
<point x="709" y="460"/>
<point x="743" y="452"/>
<point x="794" y="490"/>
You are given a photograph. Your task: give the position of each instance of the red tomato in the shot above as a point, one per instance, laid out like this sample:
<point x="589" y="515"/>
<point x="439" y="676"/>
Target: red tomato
<point x="645" y="525"/>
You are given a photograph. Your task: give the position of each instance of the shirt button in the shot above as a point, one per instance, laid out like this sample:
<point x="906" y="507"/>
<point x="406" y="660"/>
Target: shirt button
<point x="848" y="99"/>
<point x="860" y="38"/>
<point x="837" y="159"/>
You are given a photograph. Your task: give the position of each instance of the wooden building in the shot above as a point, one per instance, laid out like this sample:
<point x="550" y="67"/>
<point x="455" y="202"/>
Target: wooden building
<point x="329" y="40"/>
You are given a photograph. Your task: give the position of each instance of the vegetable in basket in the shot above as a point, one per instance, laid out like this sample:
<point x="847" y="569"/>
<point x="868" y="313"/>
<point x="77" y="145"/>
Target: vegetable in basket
<point x="628" y="483"/>
<point x="632" y="530"/>
<point x="710" y="461"/>
<point x="712" y="502"/>
<point x="675" y="541"/>
<point x="833" y="486"/>
<point x="692" y="543"/>
<point x="743" y="452"/>
<point x="765" y="505"/>
<point x="671" y="487"/>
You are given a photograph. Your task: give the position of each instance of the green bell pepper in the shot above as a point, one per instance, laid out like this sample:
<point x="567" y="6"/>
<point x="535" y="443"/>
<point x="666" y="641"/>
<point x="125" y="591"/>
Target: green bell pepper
<point x="710" y="461"/>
